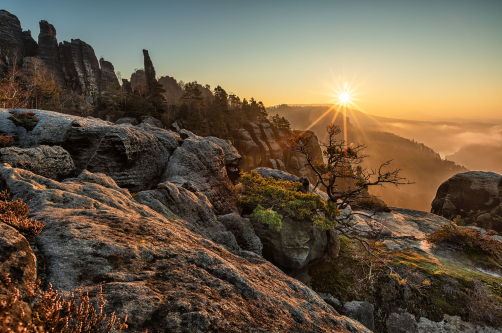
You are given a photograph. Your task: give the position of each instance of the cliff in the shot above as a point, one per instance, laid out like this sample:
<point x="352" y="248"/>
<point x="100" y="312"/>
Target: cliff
<point x="73" y="64"/>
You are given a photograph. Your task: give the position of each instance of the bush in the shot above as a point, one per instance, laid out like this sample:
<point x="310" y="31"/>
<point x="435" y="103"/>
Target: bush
<point x="28" y="120"/>
<point x="284" y="196"/>
<point x="53" y="313"/>
<point x="15" y="213"/>
<point x="467" y="239"/>
<point x="6" y="141"/>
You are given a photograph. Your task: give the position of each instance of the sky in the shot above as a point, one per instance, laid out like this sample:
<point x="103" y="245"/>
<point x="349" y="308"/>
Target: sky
<point x="408" y="59"/>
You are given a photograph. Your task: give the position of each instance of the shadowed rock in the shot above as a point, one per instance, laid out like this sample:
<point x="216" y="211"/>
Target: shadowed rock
<point x="475" y="196"/>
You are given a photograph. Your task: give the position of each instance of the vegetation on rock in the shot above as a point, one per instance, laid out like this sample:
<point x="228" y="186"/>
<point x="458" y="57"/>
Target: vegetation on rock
<point x="27" y="119"/>
<point x="286" y="198"/>
<point x="15" y="213"/>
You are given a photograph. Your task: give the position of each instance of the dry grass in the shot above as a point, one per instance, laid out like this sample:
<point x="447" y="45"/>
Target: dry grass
<point x="15" y="213"/>
<point x="6" y="141"/>
<point x="467" y="239"/>
<point x="483" y="307"/>
<point x="52" y="313"/>
<point x="11" y="311"/>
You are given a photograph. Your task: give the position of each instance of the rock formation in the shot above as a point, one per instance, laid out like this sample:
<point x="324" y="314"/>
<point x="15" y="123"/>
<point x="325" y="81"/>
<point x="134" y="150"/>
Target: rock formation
<point x="48" y="51"/>
<point x="14" y="42"/>
<point x="138" y="80"/>
<point x="262" y="146"/>
<point x="162" y="275"/>
<point x="150" y="75"/>
<point x="73" y="64"/>
<point x="173" y="89"/>
<point x="107" y="75"/>
<point x="475" y="196"/>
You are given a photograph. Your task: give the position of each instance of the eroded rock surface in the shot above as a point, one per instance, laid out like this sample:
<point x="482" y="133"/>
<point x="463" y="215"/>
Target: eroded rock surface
<point x="50" y="162"/>
<point x="475" y="196"/>
<point x="153" y="268"/>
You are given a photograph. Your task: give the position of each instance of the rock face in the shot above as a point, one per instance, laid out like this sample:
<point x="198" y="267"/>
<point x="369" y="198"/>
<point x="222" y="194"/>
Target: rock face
<point x="73" y="64"/>
<point x="138" y="80"/>
<point x="153" y="268"/>
<point x="262" y="146"/>
<point x="48" y="51"/>
<point x="107" y="75"/>
<point x="80" y="68"/>
<point x="475" y="196"/>
<point x="149" y="69"/>
<point x="50" y="162"/>
<point x="173" y="89"/>
<point x="13" y="39"/>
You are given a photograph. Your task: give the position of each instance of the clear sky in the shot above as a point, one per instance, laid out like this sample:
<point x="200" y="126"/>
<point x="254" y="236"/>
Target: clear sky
<point x="411" y="58"/>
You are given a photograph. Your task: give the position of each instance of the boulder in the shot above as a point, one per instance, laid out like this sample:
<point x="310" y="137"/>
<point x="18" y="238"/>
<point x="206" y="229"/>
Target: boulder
<point x="294" y="246"/>
<point x="475" y="196"/>
<point x="204" y="163"/>
<point x="360" y="311"/>
<point x="50" y="162"/>
<point x="165" y="277"/>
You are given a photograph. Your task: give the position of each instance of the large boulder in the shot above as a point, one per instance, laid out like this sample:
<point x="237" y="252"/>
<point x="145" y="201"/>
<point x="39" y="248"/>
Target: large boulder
<point x="475" y="196"/>
<point x="50" y="162"/>
<point x="243" y="231"/>
<point x="205" y="164"/>
<point x="162" y="275"/>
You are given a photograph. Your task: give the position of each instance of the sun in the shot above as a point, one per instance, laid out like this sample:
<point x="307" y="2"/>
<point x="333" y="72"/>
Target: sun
<point x="344" y="97"/>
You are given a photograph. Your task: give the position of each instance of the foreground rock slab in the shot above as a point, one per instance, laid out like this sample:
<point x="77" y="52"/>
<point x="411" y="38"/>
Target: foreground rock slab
<point x="153" y="268"/>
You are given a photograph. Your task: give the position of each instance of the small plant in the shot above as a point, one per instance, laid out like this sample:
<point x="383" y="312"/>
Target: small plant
<point x="53" y="313"/>
<point x="467" y="239"/>
<point x="268" y="217"/>
<point x="15" y="213"/>
<point x="6" y="141"/>
<point x="27" y="119"/>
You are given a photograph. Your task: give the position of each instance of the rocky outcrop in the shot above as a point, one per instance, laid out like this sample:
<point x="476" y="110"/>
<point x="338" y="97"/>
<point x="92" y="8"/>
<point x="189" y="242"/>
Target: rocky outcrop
<point x="475" y="196"/>
<point x="14" y="42"/>
<point x="263" y="146"/>
<point x="150" y="74"/>
<point x="152" y="122"/>
<point x="162" y="275"/>
<point x="107" y="75"/>
<point x="127" y="120"/>
<point x="137" y="157"/>
<point x="173" y="89"/>
<point x="50" y="162"/>
<point x="80" y="68"/>
<point x="138" y="80"/>
<point x="48" y="51"/>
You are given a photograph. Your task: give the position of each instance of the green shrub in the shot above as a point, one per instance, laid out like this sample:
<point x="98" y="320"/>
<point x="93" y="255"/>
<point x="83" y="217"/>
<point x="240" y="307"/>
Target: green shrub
<point x="285" y="197"/>
<point x="268" y="217"/>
